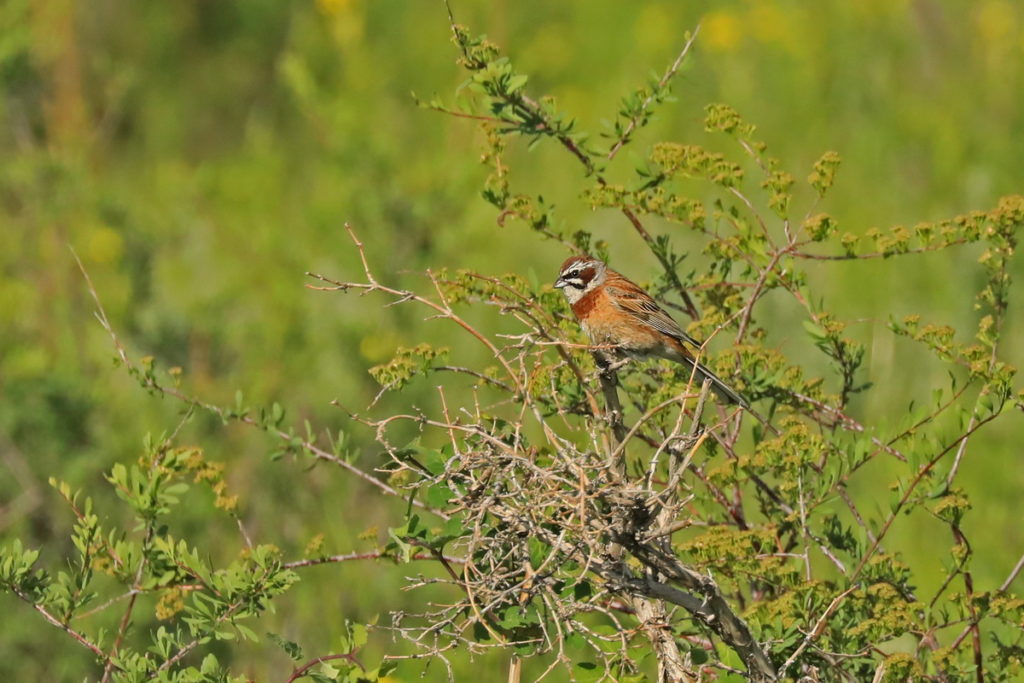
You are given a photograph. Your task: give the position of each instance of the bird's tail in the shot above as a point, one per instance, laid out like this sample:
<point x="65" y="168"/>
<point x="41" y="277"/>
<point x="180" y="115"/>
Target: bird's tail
<point x="721" y="389"/>
<point x="727" y="393"/>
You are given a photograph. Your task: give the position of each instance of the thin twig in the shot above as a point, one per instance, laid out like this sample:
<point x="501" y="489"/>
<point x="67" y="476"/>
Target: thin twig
<point x="373" y="555"/>
<point x="819" y="627"/>
<point x="304" y="669"/>
<point x="665" y="79"/>
<point x="85" y="642"/>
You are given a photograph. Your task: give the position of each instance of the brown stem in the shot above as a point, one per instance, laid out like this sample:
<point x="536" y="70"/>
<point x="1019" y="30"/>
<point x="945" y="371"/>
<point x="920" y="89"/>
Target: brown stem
<point x="150" y="383"/>
<point x="64" y="627"/>
<point x="669" y="74"/>
<point x="918" y="478"/>
<point x="376" y="555"/>
<point x="301" y="671"/>
<point x="979" y="668"/>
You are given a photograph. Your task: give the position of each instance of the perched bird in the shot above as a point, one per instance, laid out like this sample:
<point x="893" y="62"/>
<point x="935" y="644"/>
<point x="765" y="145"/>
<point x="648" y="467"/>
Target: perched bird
<point x="613" y="310"/>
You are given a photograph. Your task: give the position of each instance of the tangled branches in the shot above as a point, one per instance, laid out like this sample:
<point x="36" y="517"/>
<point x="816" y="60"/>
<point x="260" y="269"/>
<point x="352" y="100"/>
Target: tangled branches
<point x="551" y="533"/>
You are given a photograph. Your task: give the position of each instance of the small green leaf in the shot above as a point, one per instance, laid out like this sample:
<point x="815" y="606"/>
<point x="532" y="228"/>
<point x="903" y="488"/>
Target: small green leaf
<point x="434" y="460"/>
<point x="438" y="495"/>
<point x="210" y="665"/>
<point x="517" y="82"/>
<point x="293" y="649"/>
<point x="359" y="636"/>
<point x="511" y="618"/>
<point x="817" y="333"/>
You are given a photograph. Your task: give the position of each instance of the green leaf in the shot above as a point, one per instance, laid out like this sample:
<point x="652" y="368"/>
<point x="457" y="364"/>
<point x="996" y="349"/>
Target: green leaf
<point x="517" y="82"/>
<point x="434" y="460"/>
<point x="586" y="672"/>
<point x="698" y="655"/>
<point x="511" y="618"/>
<point x="454" y="528"/>
<point x="359" y="636"/>
<point x="210" y="665"/>
<point x="438" y="495"/>
<point x="246" y="633"/>
<point x="538" y="551"/>
<point x="817" y="333"/>
<point x="292" y="649"/>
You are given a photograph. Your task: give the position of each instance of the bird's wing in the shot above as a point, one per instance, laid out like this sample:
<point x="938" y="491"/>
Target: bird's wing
<point x="641" y="306"/>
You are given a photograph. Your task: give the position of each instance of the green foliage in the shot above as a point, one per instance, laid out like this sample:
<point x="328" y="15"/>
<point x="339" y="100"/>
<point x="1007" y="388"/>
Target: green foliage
<point x="202" y="603"/>
<point x="396" y="373"/>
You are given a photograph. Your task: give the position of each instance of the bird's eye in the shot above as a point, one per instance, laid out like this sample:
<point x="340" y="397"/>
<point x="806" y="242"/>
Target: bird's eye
<point x="572" y="273"/>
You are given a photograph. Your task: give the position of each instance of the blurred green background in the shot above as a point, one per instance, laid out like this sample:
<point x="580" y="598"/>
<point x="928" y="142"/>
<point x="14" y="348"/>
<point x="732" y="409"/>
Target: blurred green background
<point x="201" y="156"/>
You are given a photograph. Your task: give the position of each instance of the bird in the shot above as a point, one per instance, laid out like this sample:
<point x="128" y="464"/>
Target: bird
<point x="614" y="311"/>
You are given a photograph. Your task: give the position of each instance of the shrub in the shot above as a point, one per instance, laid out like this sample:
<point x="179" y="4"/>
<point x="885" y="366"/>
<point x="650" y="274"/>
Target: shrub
<point x="677" y="533"/>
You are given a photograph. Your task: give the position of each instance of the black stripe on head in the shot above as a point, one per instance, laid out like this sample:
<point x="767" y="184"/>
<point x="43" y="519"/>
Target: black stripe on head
<point x="579" y="273"/>
<point x="579" y="277"/>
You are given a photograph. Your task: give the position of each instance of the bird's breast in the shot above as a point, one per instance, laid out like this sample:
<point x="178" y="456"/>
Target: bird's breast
<point x="584" y="306"/>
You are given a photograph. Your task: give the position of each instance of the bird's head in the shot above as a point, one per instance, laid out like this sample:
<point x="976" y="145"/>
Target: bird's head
<point x="579" y="275"/>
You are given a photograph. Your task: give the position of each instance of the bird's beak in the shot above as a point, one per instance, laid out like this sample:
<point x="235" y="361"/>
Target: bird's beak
<point x="559" y="284"/>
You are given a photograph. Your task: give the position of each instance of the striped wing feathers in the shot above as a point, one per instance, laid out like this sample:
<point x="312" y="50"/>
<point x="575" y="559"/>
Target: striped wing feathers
<point x="639" y="305"/>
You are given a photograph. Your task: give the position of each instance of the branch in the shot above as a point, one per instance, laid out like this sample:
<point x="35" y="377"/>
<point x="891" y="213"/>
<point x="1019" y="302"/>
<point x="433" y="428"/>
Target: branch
<point x="819" y="627"/>
<point x="918" y="478"/>
<point x="669" y="75"/>
<point x="149" y="382"/>
<point x="301" y="671"/>
<point x="876" y="254"/>
<point x="530" y="110"/>
<point x="66" y="628"/>
<point x="712" y="609"/>
<point x="375" y="555"/>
